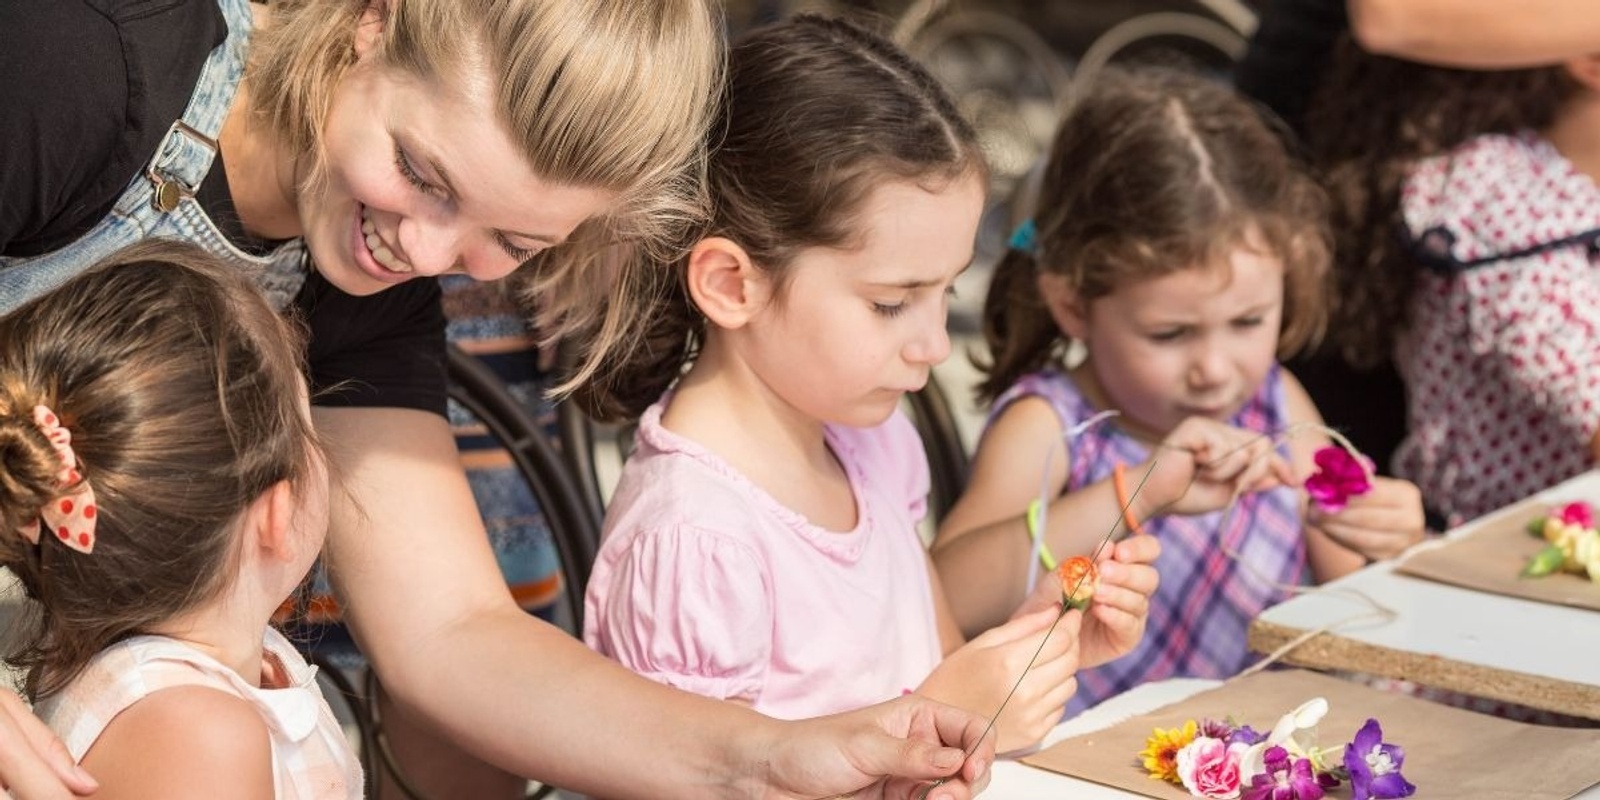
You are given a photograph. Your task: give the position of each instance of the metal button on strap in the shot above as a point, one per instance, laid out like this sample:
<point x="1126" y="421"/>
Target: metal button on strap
<point x="170" y="188"/>
<point x="167" y="196"/>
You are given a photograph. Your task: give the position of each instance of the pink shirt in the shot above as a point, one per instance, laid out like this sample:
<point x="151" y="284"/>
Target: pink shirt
<point x="706" y="583"/>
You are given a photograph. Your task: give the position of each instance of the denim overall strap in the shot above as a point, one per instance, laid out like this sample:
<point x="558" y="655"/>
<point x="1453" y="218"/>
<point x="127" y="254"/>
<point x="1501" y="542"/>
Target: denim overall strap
<point x="159" y="202"/>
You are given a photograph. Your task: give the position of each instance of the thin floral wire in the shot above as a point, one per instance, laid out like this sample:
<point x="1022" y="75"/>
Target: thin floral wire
<point x="1068" y="436"/>
<point x="1379" y="612"/>
<point x="1110" y="534"/>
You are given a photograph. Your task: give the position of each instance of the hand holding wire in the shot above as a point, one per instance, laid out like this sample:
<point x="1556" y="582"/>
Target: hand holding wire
<point x="1224" y="462"/>
<point x="1116" y="621"/>
<point x="979" y="674"/>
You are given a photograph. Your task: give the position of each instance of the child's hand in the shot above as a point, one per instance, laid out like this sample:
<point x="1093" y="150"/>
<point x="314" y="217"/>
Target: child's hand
<point x="1116" y="619"/>
<point x="1380" y="523"/>
<point x="1203" y="464"/>
<point x="978" y="676"/>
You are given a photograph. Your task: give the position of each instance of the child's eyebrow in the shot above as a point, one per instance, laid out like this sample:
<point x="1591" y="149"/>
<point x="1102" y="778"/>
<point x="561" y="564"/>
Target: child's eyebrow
<point x="922" y="283"/>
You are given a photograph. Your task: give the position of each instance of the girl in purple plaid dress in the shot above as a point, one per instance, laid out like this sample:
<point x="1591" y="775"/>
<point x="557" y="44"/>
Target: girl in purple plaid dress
<point x="1181" y="252"/>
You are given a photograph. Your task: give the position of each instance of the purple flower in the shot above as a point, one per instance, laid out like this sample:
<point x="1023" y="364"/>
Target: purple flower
<point x="1285" y="779"/>
<point x="1217" y="729"/>
<point x="1374" y="766"/>
<point x="1244" y="734"/>
<point x="1339" y="477"/>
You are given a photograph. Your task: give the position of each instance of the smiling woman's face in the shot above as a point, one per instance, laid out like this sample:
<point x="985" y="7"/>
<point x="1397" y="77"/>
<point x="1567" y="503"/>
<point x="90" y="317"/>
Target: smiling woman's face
<point x="421" y="179"/>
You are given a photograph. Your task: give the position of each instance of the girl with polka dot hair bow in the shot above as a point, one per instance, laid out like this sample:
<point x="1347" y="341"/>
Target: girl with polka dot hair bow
<point x="161" y="494"/>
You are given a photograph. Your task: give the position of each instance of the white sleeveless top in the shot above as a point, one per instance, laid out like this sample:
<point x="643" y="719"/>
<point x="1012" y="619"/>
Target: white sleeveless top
<point x="311" y="758"/>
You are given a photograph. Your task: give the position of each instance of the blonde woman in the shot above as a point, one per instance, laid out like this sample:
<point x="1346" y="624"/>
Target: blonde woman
<point x="343" y="151"/>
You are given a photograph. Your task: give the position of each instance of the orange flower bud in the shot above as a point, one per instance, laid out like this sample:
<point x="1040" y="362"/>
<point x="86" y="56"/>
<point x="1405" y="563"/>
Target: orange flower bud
<point x="1078" y="578"/>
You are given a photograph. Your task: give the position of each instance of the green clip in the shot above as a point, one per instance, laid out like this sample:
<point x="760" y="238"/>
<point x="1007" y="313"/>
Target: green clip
<point x="1035" y="535"/>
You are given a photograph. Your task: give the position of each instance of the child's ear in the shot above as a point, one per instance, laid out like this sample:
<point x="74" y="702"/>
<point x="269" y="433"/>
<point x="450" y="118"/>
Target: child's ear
<point x="1065" y="308"/>
<point x="724" y="284"/>
<point x="1585" y="70"/>
<point x="272" y="517"/>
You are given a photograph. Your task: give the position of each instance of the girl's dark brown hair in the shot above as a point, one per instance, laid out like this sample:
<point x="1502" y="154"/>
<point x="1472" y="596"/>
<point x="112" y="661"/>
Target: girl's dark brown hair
<point x="1373" y="119"/>
<point x="179" y="385"/>
<point x="818" y="113"/>
<point x="1153" y="171"/>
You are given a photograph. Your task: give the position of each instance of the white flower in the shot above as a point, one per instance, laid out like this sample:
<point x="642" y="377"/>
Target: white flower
<point x="1289" y="733"/>
<point x="1586" y="551"/>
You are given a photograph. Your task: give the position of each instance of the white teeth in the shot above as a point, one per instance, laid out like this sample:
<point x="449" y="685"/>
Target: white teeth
<point x="380" y="253"/>
<point x="383" y="256"/>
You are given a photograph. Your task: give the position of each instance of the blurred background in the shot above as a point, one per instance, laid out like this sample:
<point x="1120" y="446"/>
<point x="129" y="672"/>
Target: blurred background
<point x="1012" y="66"/>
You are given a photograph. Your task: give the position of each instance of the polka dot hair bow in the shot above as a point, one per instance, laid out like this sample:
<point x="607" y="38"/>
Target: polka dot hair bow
<point x="70" y="515"/>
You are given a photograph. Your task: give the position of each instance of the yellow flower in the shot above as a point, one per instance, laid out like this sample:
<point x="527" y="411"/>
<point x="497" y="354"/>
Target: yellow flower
<point x="1553" y="527"/>
<point x="1160" y="753"/>
<point x="1586" y="551"/>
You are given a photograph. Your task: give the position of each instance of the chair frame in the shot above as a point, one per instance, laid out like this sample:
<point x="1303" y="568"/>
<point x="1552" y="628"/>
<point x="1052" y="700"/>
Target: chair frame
<point x="574" y="520"/>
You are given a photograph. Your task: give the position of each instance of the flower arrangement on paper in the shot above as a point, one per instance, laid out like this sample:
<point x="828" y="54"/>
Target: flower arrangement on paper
<point x="1573" y="542"/>
<point x="1225" y="760"/>
<point x="1339" y="477"/>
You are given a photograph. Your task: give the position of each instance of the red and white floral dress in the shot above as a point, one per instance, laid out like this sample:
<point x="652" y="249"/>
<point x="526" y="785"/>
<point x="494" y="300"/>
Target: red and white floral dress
<point x="1502" y="357"/>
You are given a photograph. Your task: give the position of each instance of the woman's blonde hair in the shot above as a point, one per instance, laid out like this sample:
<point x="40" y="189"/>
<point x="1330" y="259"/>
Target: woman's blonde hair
<point x="597" y="93"/>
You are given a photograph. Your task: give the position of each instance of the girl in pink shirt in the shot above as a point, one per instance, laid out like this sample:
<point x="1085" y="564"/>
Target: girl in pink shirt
<point x="762" y="545"/>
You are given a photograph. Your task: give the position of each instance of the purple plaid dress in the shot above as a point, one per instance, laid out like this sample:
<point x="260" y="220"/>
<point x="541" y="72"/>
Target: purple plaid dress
<point x="1206" y="601"/>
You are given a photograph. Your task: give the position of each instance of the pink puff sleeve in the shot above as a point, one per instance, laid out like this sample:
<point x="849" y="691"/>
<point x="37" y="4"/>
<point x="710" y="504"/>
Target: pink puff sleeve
<point x="691" y="609"/>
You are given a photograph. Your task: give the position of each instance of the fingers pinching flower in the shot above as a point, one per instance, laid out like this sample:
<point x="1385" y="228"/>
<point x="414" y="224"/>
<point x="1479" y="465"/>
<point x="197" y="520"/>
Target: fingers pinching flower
<point x="1338" y="478"/>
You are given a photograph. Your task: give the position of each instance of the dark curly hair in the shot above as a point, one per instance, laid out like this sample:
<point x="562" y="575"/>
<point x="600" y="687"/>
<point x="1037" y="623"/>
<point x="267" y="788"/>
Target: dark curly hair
<point x="1373" y="119"/>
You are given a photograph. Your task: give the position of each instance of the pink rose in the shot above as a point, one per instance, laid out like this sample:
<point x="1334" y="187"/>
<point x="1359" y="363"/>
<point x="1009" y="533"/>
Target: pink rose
<point x="1577" y="513"/>
<point x="1210" y="768"/>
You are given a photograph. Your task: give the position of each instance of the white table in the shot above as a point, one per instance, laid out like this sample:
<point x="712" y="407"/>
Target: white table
<point x="1506" y="648"/>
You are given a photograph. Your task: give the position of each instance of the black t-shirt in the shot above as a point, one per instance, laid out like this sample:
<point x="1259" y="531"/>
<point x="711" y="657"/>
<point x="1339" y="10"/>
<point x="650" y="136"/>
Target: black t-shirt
<point x="87" y="90"/>
<point x="1289" y="55"/>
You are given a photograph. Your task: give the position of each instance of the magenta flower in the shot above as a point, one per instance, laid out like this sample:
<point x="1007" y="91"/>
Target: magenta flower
<point x="1374" y="766"/>
<point x="1576" y="513"/>
<point x="1285" y="779"/>
<point x="1339" y="477"/>
<point x="1216" y="728"/>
